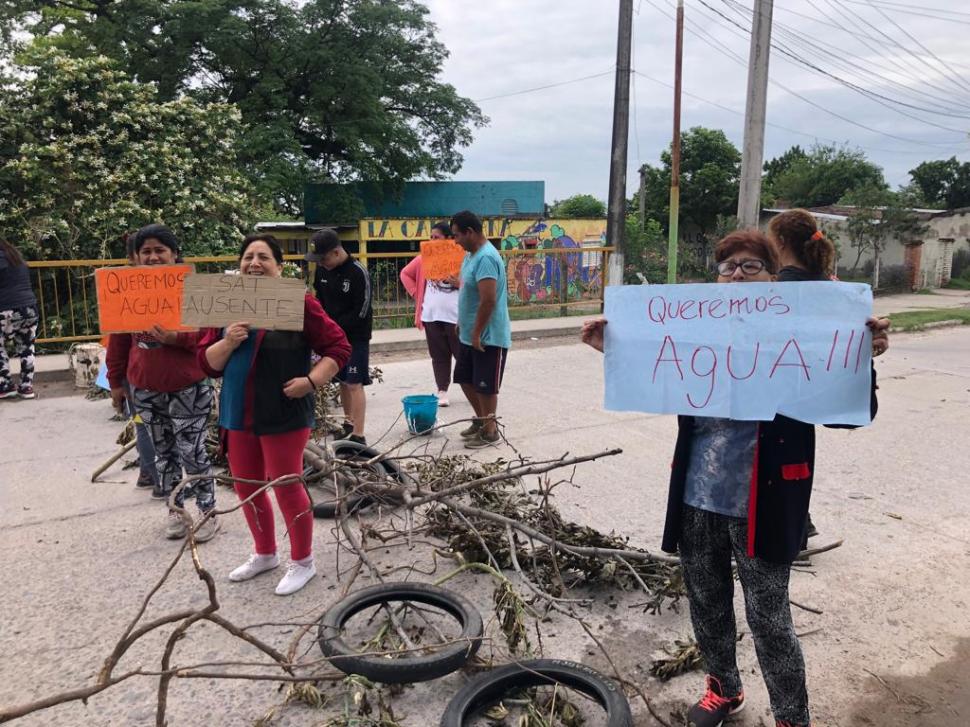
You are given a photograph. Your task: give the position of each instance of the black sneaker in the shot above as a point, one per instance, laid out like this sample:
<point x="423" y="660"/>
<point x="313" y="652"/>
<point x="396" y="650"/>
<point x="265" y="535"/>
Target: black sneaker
<point x="359" y="438"/>
<point x="159" y="494"/>
<point x="145" y="481"/>
<point x="346" y="429"/>
<point x="784" y="723"/>
<point x="714" y="707"/>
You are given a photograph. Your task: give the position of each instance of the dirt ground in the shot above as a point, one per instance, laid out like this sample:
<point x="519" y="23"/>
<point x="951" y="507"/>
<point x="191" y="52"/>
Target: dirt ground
<point x="890" y="647"/>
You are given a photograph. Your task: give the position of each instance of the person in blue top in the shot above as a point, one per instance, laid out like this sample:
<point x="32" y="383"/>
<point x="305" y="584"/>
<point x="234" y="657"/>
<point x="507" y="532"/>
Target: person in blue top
<point x="484" y="329"/>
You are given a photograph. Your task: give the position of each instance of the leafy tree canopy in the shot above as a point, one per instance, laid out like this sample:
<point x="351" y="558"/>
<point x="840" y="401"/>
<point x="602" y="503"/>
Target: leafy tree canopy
<point x="710" y="167"/>
<point x="579" y="205"/>
<point x="87" y="154"/>
<point x="822" y="176"/>
<point x="334" y="90"/>
<point x="944" y="183"/>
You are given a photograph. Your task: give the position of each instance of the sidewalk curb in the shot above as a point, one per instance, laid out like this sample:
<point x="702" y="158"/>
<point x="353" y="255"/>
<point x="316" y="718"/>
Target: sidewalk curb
<point x="951" y="323"/>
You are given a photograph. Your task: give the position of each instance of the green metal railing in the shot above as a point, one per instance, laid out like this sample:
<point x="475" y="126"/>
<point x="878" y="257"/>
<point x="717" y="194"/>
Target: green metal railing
<point x="538" y="279"/>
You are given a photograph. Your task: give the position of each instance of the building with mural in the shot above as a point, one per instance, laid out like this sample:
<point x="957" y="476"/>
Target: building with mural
<point x="542" y="266"/>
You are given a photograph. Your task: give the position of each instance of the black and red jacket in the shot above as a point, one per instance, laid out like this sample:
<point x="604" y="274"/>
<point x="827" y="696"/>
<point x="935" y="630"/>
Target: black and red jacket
<point x="277" y="357"/>
<point x="781" y="485"/>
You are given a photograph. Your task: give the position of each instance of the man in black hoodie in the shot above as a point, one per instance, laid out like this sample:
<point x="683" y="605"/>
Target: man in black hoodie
<point x="342" y="285"/>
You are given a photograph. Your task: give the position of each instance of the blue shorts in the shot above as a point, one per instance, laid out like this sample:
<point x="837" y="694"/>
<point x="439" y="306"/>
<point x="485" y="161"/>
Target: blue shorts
<point x="357" y="370"/>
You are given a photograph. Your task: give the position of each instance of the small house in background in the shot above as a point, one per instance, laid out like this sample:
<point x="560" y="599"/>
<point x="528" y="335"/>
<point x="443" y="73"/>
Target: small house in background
<point x="911" y="264"/>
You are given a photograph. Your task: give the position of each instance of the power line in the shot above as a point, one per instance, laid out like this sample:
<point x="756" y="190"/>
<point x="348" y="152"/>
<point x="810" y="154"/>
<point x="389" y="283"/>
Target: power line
<point x="703" y="37"/>
<point x="837" y="4"/>
<point x="879" y="98"/>
<point x="842" y="58"/>
<point x="790" y="130"/>
<point x="543" y="88"/>
<point x="916" y="40"/>
<point x="915" y="10"/>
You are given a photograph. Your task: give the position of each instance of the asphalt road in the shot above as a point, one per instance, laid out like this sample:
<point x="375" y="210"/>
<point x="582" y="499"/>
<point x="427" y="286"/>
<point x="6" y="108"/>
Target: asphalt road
<point x="891" y="644"/>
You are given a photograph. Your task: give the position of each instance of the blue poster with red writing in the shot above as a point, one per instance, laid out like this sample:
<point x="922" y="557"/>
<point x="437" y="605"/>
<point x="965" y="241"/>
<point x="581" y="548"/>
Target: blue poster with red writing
<point x="743" y="351"/>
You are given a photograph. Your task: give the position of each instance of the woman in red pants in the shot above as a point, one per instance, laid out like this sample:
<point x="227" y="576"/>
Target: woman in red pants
<point x="266" y="413"/>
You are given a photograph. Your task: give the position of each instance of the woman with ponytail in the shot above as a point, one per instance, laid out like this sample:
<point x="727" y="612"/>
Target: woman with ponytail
<point x="806" y="253"/>
<point x="803" y="249"/>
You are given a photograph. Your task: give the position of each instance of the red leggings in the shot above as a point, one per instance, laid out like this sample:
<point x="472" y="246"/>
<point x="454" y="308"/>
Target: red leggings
<point x="267" y="457"/>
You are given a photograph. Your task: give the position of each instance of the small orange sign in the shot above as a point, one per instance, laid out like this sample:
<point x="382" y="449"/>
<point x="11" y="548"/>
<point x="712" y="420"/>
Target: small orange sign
<point x="133" y="299"/>
<point x="441" y="258"/>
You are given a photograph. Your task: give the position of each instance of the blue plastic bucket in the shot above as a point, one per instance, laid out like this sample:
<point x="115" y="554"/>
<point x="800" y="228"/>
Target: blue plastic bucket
<point x="420" y="412"/>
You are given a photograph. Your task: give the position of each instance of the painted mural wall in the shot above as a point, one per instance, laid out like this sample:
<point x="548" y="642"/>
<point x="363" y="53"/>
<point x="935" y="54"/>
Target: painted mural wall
<point x="536" y="277"/>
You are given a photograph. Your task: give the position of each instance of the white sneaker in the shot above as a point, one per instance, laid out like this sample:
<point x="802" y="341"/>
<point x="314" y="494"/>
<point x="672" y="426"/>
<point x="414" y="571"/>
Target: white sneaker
<point x="254" y="566"/>
<point x="296" y="577"/>
<point x="442" y="398"/>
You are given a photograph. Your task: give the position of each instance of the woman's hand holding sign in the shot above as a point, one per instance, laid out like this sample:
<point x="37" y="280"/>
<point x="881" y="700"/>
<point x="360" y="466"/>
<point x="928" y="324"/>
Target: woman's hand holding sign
<point x="236" y="334"/>
<point x="880" y="335"/>
<point x="592" y="333"/>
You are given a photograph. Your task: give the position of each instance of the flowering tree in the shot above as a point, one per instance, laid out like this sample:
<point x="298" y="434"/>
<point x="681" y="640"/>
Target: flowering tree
<point x="87" y="154"/>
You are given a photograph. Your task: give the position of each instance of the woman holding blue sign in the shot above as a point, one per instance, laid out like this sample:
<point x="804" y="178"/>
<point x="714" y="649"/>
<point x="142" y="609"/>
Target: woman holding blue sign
<point x="266" y="409"/>
<point x="742" y="489"/>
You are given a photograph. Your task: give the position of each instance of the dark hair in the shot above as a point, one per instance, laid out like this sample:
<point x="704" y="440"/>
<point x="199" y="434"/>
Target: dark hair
<point x="271" y="241"/>
<point x="443" y="227"/>
<point x="466" y="220"/>
<point x="753" y="241"/>
<point x="325" y="240"/>
<point x="800" y="233"/>
<point x="12" y="254"/>
<point x="157" y="232"/>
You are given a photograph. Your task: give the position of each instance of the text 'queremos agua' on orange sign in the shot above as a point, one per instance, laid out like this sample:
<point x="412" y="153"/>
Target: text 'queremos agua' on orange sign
<point x="133" y="299"/>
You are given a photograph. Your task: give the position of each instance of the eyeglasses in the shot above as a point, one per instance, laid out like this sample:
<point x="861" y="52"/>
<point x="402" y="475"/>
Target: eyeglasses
<point x="751" y="266"/>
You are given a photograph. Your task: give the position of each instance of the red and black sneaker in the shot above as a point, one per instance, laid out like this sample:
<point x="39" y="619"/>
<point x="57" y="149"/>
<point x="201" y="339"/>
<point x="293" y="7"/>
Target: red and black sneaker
<point x="714" y="707"/>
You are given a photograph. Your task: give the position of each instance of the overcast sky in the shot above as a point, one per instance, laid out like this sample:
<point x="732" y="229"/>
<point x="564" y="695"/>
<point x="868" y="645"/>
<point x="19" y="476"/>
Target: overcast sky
<point x="562" y="134"/>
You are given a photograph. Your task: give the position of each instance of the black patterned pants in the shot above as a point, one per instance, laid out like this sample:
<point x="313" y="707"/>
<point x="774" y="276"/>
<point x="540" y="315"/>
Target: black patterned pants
<point x="177" y="423"/>
<point x="707" y="542"/>
<point x="19" y="327"/>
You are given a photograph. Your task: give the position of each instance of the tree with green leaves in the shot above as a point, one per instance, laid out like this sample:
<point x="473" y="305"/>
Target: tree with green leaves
<point x="943" y="183"/>
<point x="329" y="90"/>
<point x="822" y="176"/>
<point x="881" y="216"/>
<point x="710" y="166"/>
<point x="578" y="206"/>
<point x="88" y="154"/>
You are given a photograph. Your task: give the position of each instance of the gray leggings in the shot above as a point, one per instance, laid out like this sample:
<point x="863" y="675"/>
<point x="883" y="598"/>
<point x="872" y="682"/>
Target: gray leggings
<point x="177" y="422"/>
<point x="707" y="542"/>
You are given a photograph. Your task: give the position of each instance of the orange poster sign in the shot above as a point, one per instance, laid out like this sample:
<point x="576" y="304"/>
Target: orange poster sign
<point x="441" y="258"/>
<point x="133" y="299"/>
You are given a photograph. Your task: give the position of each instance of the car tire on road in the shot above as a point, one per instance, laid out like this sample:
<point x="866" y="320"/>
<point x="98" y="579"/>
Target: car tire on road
<point x="489" y="687"/>
<point x="407" y="669"/>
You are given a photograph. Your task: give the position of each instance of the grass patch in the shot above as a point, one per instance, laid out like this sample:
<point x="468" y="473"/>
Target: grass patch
<point x="916" y="320"/>
<point x="958" y="284"/>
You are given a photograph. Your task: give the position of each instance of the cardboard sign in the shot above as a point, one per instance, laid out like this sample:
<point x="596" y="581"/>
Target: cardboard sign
<point x="133" y="299"/>
<point x="743" y="351"/>
<point x="214" y="301"/>
<point x="441" y="258"/>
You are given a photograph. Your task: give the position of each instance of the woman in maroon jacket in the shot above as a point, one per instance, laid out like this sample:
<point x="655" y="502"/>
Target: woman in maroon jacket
<point x="170" y="393"/>
<point x="266" y="413"/>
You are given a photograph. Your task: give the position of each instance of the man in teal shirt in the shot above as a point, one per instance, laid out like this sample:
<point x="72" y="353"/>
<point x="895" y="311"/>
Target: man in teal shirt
<point x="484" y="329"/>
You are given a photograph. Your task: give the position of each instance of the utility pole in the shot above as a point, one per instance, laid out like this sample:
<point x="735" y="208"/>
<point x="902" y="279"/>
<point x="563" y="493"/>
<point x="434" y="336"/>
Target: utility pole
<point x="752" y="156"/>
<point x="673" y="230"/>
<point x="616" y="203"/>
